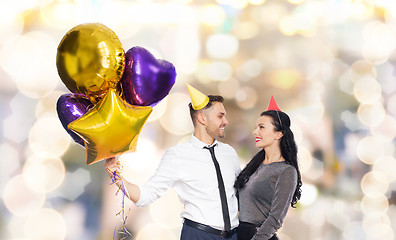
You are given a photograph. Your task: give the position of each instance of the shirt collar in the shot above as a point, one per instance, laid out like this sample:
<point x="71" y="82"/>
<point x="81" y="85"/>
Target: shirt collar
<point x="199" y="144"/>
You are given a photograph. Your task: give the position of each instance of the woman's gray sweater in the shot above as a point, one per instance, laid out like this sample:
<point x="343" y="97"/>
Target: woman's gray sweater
<point x="266" y="198"/>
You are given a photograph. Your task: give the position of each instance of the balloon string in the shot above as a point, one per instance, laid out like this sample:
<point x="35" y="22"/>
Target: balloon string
<point x="114" y="179"/>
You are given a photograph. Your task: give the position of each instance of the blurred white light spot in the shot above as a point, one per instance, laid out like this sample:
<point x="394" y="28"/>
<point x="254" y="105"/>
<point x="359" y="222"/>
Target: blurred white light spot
<point x="374" y="205"/>
<point x="374" y="184"/>
<point x="247" y="30"/>
<point x="361" y="69"/>
<point x="296" y="1"/>
<point x="285" y="78"/>
<point x="61" y="15"/>
<point x="43" y="175"/>
<point x="176" y="119"/>
<point x="202" y="71"/>
<point x="298" y="133"/>
<point x="35" y="52"/>
<point x="376" y="53"/>
<point x="386" y="130"/>
<point x="309" y="195"/>
<point x="19" y="199"/>
<point x="371" y="219"/>
<point x="47" y="137"/>
<point x="157" y="13"/>
<point x="158" y="110"/>
<point x="287" y="26"/>
<point x="377" y="225"/>
<point x="222" y="46"/>
<point x="15" y="53"/>
<point x="304" y="159"/>
<point x="367" y="90"/>
<point x="360" y="10"/>
<point x="271" y="14"/>
<point x="237" y="4"/>
<point x="11" y="23"/>
<point x="246" y="98"/>
<point x="251" y="69"/>
<point x="174" y="43"/>
<point x="38" y="85"/>
<point x="379" y="41"/>
<point x="311" y="113"/>
<point x="45" y="224"/>
<point x="212" y="15"/>
<point x="145" y="154"/>
<point x="369" y="150"/>
<point x="44" y="78"/>
<point x="387" y="166"/>
<point x="371" y="115"/>
<point x="14" y="224"/>
<point x="219" y="71"/>
<point x="46" y="103"/>
<point x="380" y="231"/>
<point x="257" y="2"/>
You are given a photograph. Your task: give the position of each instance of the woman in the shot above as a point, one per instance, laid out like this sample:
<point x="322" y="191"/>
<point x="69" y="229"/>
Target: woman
<point x="271" y="181"/>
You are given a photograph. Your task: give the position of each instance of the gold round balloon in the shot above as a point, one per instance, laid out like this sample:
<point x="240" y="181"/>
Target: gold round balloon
<point x="90" y="60"/>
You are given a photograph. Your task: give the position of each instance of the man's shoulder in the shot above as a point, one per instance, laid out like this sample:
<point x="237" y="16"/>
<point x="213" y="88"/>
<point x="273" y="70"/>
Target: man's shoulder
<point x="224" y="144"/>
<point x="179" y="147"/>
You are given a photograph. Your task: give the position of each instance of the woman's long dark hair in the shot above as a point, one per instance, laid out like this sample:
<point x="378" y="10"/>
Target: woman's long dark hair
<point x="288" y="147"/>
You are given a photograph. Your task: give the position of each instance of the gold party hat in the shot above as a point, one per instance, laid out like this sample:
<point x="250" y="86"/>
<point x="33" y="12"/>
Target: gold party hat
<point x="198" y="99"/>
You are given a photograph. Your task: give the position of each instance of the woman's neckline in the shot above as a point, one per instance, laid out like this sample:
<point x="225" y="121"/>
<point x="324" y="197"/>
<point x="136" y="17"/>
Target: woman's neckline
<point x="265" y="164"/>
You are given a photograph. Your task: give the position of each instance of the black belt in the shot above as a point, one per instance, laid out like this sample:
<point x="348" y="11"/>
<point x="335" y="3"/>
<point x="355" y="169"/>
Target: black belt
<point x="208" y="229"/>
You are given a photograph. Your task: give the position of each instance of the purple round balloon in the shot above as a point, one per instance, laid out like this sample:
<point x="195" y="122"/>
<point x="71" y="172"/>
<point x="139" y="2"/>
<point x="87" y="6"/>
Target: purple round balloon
<point x="71" y="107"/>
<point x="146" y="80"/>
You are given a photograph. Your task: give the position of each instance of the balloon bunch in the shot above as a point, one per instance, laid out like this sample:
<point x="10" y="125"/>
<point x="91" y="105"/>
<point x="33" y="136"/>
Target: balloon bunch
<point x="112" y="92"/>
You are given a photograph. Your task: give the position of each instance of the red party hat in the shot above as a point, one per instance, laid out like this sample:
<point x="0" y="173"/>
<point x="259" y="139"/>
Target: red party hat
<point x="272" y="105"/>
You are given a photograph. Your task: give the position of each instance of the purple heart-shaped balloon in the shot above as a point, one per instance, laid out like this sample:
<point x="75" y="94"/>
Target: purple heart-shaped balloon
<point x="71" y="107"/>
<point x="146" y="80"/>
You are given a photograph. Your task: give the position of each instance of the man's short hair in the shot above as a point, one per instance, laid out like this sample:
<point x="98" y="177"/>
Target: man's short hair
<point x="212" y="99"/>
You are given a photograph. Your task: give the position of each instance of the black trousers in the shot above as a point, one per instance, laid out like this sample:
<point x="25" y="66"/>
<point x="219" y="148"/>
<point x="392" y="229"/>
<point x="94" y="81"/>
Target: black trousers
<point x="247" y="230"/>
<point x="190" y="233"/>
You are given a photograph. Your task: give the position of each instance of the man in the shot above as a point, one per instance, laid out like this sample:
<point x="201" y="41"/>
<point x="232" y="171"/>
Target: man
<point x="202" y="172"/>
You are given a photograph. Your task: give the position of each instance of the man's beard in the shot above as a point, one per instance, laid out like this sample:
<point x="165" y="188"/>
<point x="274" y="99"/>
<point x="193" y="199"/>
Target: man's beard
<point x="215" y="134"/>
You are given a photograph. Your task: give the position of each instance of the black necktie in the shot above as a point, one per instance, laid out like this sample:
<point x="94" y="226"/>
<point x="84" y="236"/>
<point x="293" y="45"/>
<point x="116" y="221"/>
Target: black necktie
<point x="223" y="198"/>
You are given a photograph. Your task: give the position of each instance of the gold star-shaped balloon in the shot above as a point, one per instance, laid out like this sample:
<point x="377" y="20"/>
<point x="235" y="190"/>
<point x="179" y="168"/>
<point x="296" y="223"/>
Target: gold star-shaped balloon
<point x="111" y="127"/>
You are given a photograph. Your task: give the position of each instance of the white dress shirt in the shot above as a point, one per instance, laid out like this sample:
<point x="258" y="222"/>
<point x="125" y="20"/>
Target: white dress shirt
<point x="189" y="169"/>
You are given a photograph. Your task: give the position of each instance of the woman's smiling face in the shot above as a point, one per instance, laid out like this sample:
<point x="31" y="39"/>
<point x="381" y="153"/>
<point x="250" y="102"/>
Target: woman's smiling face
<point x="265" y="132"/>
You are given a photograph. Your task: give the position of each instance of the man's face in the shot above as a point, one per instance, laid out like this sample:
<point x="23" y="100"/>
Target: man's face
<point x="216" y="120"/>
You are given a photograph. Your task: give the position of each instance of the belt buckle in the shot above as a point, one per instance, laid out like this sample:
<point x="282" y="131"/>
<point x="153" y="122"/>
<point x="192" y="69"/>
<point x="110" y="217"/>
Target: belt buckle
<point x="224" y="233"/>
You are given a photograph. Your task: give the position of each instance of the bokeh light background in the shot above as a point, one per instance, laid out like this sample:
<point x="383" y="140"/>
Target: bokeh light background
<point x="329" y="64"/>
